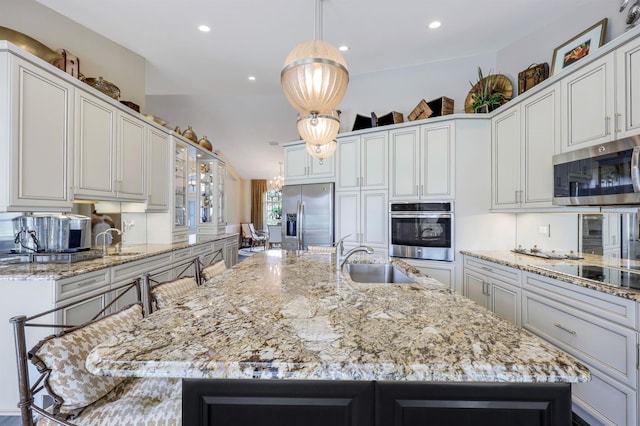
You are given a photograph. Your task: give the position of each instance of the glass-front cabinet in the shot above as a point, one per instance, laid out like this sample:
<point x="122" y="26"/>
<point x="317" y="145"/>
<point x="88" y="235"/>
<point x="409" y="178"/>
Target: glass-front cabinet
<point x="208" y="169"/>
<point x="180" y="180"/>
<point x="222" y="171"/>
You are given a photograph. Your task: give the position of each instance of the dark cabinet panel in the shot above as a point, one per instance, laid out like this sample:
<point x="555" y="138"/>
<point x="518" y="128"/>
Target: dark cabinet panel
<point x="276" y="403"/>
<point x="477" y="404"/>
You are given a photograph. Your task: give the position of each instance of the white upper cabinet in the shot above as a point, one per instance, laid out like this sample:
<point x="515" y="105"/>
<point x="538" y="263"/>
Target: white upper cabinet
<point x="627" y="116"/>
<point x="524" y="139"/>
<point x="159" y="170"/>
<point x="36" y="125"/>
<point x="110" y="151"/>
<point x="588" y="104"/>
<point x="362" y="162"/>
<point x="300" y="167"/>
<point x="422" y="162"/>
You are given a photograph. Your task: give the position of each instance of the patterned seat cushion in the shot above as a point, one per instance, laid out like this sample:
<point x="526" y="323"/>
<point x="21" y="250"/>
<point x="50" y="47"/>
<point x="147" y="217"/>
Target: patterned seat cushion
<point x="211" y="271"/>
<point x="135" y="402"/>
<point x="64" y="354"/>
<point x="166" y="293"/>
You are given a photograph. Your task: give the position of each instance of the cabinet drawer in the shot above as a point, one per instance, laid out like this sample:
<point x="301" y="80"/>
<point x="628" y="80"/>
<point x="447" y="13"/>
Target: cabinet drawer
<point x="180" y="255"/>
<point x="132" y="270"/>
<point x="606" y="400"/>
<point x="607" y="346"/>
<point x="611" y="308"/>
<point x="202" y="249"/>
<point x="494" y="270"/>
<point x="82" y="284"/>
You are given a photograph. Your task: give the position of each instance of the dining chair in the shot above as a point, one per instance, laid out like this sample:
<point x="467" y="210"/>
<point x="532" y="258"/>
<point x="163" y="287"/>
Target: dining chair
<point x="257" y="237"/>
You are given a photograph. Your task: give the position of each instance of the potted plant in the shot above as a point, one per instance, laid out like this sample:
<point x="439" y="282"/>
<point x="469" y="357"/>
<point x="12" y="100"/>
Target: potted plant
<point x="488" y="93"/>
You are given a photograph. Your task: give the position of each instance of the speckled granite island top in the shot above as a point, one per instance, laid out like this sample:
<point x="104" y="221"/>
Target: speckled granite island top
<point x="290" y="315"/>
<point x="539" y="266"/>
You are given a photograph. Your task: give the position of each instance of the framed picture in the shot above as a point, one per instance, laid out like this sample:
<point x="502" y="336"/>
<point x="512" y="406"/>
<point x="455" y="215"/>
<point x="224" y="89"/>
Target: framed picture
<point x="578" y="47"/>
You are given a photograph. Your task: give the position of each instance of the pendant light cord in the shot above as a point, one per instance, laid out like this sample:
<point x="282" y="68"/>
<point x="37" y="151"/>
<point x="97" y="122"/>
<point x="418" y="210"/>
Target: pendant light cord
<point x="317" y="30"/>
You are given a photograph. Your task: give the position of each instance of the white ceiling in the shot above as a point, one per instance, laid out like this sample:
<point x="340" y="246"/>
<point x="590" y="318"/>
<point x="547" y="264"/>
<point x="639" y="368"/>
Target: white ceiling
<point x="253" y="37"/>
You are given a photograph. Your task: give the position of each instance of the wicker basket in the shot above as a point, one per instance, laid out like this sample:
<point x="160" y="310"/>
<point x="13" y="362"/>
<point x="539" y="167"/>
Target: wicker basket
<point x="104" y="86"/>
<point x="420" y="112"/>
<point x="393" y="117"/>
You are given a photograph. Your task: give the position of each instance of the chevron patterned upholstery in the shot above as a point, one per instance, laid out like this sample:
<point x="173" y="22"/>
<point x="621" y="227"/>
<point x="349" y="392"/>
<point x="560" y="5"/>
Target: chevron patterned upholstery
<point x="166" y="293"/>
<point x="64" y="355"/>
<point x="211" y="271"/>
<point x="135" y="402"/>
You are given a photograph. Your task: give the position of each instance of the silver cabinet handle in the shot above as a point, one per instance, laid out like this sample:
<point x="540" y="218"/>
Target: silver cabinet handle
<point x="607" y="120"/>
<point x="568" y="330"/>
<point x="486" y="268"/>
<point x="617" y="122"/>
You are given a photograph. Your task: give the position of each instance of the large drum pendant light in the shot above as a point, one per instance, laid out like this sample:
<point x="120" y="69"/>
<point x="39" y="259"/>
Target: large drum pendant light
<point x="319" y="129"/>
<point x="315" y="76"/>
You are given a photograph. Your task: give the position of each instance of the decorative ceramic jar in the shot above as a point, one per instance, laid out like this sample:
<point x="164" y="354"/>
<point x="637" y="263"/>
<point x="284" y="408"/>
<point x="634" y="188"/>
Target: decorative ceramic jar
<point x="205" y="143"/>
<point x="190" y="134"/>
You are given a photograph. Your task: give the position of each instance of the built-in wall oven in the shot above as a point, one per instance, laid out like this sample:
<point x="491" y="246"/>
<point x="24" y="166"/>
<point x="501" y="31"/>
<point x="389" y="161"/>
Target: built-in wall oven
<point x="421" y="230"/>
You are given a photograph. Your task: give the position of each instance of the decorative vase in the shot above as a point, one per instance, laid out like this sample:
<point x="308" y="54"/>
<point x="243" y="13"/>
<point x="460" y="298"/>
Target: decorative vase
<point x="205" y="143"/>
<point x="190" y="134"/>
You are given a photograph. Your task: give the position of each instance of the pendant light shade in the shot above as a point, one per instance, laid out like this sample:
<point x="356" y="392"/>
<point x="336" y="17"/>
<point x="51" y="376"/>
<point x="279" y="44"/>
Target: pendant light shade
<point x="314" y="77"/>
<point x="322" y="151"/>
<point x="319" y="129"/>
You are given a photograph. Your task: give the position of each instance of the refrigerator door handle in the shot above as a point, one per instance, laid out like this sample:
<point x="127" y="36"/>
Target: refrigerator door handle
<point x="301" y="224"/>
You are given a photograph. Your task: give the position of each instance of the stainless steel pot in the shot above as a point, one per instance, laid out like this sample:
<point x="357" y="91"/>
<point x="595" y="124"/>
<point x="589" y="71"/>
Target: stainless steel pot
<point x="69" y="233"/>
<point x="30" y="233"/>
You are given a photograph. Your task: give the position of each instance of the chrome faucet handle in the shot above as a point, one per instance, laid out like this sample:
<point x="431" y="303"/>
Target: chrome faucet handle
<point x="340" y="245"/>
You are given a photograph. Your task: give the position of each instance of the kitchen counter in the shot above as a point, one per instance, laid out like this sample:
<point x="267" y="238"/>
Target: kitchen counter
<point x="537" y="265"/>
<point x="290" y="315"/>
<point x="57" y="271"/>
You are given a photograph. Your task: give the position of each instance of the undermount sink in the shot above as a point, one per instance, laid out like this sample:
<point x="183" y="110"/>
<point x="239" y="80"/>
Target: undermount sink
<point x="376" y="273"/>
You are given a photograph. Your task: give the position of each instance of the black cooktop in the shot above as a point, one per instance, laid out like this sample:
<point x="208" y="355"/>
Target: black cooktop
<point x="613" y="276"/>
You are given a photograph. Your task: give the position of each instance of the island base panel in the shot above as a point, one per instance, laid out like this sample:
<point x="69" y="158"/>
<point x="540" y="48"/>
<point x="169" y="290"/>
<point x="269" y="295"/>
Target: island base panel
<point x="358" y="403"/>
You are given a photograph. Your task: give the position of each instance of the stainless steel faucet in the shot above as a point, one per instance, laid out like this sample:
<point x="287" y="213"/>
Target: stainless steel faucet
<point x="341" y="261"/>
<point x="340" y="247"/>
<point x="105" y="249"/>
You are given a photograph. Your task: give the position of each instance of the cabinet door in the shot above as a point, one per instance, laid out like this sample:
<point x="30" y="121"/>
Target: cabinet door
<point x="295" y="162"/>
<point x="506" y="159"/>
<point x="374" y="218"/>
<point x="80" y="313"/>
<point x="131" y="152"/>
<point x="39" y="136"/>
<point x="348" y="164"/>
<point x="321" y="168"/>
<point x="95" y="145"/>
<point x="158" y="182"/>
<point x="505" y="301"/>
<point x="374" y="163"/>
<point x="540" y="140"/>
<point x="348" y="216"/>
<point x="627" y="116"/>
<point x="588" y="105"/>
<point x="474" y="288"/>
<point x="437" y="162"/>
<point x="404" y="163"/>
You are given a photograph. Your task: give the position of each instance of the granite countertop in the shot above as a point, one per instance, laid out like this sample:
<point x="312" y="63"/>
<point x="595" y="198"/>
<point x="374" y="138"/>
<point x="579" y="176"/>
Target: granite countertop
<point x="291" y="315"/>
<point x="57" y="271"/>
<point x="537" y="265"/>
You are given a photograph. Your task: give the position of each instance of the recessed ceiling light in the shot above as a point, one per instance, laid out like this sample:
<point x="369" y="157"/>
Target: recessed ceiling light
<point x="204" y="28"/>
<point x="435" y="24"/>
<point x="252" y="78"/>
<point x="343" y="48"/>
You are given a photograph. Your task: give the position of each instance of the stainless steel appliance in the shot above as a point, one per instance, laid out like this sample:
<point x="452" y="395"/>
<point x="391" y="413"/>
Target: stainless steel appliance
<point x="627" y="278"/>
<point x="604" y="174"/>
<point x="40" y="233"/>
<point x="307" y="215"/>
<point x="421" y="230"/>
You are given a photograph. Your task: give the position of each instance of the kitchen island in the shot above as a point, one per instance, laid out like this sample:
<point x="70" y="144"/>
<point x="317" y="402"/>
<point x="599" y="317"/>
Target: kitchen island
<point x="330" y="348"/>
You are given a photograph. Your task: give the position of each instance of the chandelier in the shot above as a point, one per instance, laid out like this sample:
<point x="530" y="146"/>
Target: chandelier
<point x="322" y="151"/>
<point x="276" y="183"/>
<point x="314" y="80"/>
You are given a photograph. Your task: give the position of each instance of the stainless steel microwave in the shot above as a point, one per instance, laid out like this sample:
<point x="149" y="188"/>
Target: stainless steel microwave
<point x="605" y="174"/>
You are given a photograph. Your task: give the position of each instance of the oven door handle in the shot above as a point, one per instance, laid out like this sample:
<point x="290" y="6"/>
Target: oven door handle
<point x="421" y="215"/>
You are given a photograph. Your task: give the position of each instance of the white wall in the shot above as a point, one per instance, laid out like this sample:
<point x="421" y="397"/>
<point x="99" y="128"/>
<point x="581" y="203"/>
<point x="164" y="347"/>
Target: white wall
<point x="98" y="56"/>
<point x="562" y="231"/>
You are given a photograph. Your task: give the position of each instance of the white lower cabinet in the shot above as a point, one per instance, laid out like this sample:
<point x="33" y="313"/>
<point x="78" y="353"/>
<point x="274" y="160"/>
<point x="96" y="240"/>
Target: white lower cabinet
<point x="495" y="287"/>
<point x="231" y="251"/>
<point x="598" y="329"/>
<point x="445" y="272"/>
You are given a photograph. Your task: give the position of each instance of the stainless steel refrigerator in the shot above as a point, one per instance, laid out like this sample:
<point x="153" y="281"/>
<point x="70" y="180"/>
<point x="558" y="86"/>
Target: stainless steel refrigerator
<point x="307" y="215"/>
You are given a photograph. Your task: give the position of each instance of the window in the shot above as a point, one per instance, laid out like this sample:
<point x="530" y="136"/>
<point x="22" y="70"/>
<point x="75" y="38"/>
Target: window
<point x="274" y="207"/>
